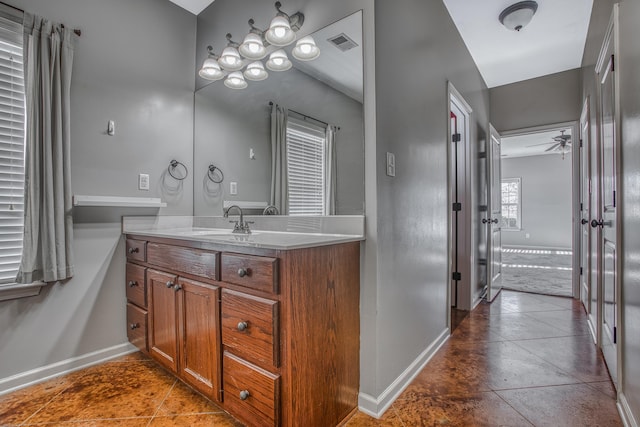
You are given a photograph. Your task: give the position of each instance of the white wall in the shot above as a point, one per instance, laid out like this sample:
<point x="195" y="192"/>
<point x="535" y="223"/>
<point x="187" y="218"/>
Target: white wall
<point x="133" y="64"/>
<point x="546" y="201"/>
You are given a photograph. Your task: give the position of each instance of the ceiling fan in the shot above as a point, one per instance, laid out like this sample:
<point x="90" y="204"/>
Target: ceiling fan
<point x="559" y="143"/>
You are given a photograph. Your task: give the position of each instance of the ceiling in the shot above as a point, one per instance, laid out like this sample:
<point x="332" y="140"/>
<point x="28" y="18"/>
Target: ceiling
<point x="531" y="144"/>
<point x="552" y="42"/>
<point x="193" y="6"/>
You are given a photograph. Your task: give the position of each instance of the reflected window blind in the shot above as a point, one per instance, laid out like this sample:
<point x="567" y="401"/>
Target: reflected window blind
<point x="305" y="164"/>
<point x="12" y="120"/>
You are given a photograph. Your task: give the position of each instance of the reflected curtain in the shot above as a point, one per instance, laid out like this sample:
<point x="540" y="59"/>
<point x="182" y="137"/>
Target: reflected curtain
<point x="330" y="171"/>
<point x="279" y="172"/>
<point x="48" y="227"/>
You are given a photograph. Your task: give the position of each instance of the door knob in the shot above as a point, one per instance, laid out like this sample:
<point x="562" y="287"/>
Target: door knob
<point x="595" y="223"/>
<point x="242" y="272"/>
<point x="584" y="221"/>
<point x="244" y="394"/>
<point x="495" y="220"/>
<point x="170" y="284"/>
<point x="242" y="326"/>
<point x="485" y="220"/>
<point x="177" y="288"/>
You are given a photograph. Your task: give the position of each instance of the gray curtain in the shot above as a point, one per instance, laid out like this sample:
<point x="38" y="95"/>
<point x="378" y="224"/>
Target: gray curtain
<point x="330" y="171"/>
<point x="279" y="173"/>
<point x="48" y="229"/>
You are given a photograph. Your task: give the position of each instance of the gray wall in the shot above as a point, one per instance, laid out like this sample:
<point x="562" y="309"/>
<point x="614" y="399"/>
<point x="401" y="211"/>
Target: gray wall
<point x="628" y="71"/>
<point x="418" y="49"/>
<point x="546" y="201"/>
<point x="228" y="123"/>
<point x="133" y="64"/>
<point x="541" y="101"/>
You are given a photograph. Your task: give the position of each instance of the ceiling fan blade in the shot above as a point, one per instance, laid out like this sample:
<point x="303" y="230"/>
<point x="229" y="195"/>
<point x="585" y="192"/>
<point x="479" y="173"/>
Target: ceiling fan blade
<point x="553" y="147"/>
<point x="544" y="143"/>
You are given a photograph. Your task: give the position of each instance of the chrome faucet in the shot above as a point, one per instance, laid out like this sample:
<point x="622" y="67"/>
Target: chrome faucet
<point x="241" y="226"/>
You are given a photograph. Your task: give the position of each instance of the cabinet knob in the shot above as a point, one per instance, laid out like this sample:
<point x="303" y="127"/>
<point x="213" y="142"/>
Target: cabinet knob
<point x="132" y="284"/>
<point x="242" y="272"/>
<point x="177" y="288"/>
<point x="244" y="394"/>
<point x="134" y="326"/>
<point x="242" y="326"/>
<point x="134" y="250"/>
<point x="170" y="284"/>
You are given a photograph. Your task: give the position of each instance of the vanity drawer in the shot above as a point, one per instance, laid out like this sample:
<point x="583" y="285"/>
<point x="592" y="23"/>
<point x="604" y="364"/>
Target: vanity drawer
<point x="137" y="327"/>
<point x="137" y="250"/>
<point x="187" y="260"/>
<point x="255" y="272"/>
<point x="136" y="284"/>
<point x="250" y="327"/>
<point x="250" y="392"/>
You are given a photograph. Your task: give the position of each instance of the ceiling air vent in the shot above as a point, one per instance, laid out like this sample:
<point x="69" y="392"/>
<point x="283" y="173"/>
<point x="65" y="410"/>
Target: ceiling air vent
<point x="342" y="42"/>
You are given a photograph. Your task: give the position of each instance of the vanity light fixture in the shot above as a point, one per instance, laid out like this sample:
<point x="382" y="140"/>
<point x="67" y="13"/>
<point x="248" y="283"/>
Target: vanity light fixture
<point x="518" y="15"/>
<point x="254" y="47"/>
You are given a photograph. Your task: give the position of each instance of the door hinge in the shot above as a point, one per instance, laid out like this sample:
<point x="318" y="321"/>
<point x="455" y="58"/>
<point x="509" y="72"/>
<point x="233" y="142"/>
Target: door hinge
<point x="580" y="143"/>
<point x="455" y="137"/>
<point x="456" y="276"/>
<point x="581" y="206"/>
<point x="457" y="207"/>
<point x="613" y="62"/>
<point x="615" y="334"/>
<point x="614" y="198"/>
<point x="581" y="271"/>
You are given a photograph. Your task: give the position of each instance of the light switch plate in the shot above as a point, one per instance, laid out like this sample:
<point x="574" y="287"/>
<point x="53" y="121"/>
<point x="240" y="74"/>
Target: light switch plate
<point x="233" y="188"/>
<point x="391" y="164"/>
<point x="143" y="181"/>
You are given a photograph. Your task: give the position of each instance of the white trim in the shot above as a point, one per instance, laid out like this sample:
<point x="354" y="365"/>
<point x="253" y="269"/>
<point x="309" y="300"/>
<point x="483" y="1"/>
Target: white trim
<point x="376" y="407"/>
<point x="43" y="373"/>
<point x="20" y="290"/>
<point x="117" y="201"/>
<point x="538" y="129"/>
<point x="244" y="205"/>
<point x="625" y="411"/>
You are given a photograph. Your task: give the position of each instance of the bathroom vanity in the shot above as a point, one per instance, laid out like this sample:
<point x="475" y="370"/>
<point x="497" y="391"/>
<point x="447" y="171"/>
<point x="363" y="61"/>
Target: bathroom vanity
<point x="266" y="325"/>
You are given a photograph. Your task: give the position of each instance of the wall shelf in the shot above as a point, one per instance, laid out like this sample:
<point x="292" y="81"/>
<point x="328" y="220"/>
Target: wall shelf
<point x="118" y="201"/>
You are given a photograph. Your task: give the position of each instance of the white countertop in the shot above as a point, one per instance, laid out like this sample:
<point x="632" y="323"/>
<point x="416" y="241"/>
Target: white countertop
<point x="351" y="230"/>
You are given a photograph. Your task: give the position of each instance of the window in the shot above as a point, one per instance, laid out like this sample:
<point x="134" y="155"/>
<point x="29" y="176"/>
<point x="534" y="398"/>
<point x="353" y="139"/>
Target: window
<point x="305" y="167"/>
<point x="511" y="206"/>
<point x="12" y="120"/>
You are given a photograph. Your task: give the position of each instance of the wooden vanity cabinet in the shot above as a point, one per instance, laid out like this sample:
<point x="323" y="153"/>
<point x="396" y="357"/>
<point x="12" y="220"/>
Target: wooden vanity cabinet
<point x="272" y="335"/>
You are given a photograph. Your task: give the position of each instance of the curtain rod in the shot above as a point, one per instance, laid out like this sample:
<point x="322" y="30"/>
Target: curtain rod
<point x="308" y="117"/>
<point x="77" y="31"/>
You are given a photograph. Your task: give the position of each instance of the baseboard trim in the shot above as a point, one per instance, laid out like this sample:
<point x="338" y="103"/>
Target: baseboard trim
<point x="376" y="406"/>
<point x="625" y="411"/>
<point x="43" y="373"/>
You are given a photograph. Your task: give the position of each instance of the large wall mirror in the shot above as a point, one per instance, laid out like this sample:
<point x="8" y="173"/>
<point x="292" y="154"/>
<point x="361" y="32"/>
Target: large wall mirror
<point x="233" y="128"/>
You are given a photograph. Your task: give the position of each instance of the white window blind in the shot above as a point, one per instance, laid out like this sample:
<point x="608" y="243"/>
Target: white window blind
<point x="12" y="120"/>
<point x="511" y="207"/>
<point x="306" y="167"/>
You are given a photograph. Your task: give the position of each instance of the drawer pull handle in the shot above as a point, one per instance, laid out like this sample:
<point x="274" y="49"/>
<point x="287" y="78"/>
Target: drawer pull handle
<point x="134" y="250"/>
<point x="170" y="284"/>
<point x="134" y="326"/>
<point x="132" y="284"/>
<point x="242" y="326"/>
<point x="242" y="272"/>
<point x="244" y="394"/>
<point x="177" y="288"/>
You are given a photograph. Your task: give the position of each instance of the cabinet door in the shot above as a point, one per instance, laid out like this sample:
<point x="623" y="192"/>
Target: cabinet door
<point x="163" y="320"/>
<point x="199" y="336"/>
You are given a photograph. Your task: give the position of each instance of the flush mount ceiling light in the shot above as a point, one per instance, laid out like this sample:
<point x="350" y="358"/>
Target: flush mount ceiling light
<point x="254" y="47"/>
<point x="518" y="15"/>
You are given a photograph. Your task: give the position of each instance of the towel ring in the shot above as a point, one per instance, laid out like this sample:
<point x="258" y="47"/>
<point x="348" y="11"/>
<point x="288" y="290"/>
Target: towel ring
<point x="173" y="165"/>
<point x="215" y="174"/>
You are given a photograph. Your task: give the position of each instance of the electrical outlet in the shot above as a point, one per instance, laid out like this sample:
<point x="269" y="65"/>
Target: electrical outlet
<point x="233" y="188"/>
<point x="143" y="181"/>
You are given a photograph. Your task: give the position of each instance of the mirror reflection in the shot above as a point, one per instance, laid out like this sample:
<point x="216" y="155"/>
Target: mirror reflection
<point x="236" y="131"/>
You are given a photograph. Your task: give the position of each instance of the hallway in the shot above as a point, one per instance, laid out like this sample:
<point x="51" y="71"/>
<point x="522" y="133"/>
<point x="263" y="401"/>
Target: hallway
<point x="522" y="360"/>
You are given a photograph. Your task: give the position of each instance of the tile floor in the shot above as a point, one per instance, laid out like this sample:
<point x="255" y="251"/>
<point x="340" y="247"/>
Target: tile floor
<point x="523" y="360"/>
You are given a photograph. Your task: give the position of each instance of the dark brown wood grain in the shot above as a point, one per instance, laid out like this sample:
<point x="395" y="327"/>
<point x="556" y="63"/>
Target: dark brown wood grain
<point x="261" y="407"/>
<point x="189" y="260"/>
<point x="322" y="322"/>
<point x="163" y="321"/>
<point x="136" y="250"/>
<point x="136" y="284"/>
<point x="137" y="327"/>
<point x="200" y="336"/>
<point x="259" y="342"/>
<point x="261" y="273"/>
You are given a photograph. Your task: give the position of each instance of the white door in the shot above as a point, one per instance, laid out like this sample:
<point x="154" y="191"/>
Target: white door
<point x="588" y="290"/>
<point x="493" y="222"/>
<point x="606" y="224"/>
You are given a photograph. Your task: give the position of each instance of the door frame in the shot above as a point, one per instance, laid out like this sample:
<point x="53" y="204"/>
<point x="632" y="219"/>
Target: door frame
<point x="467" y="197"/>
<point x="575" y="192"/>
